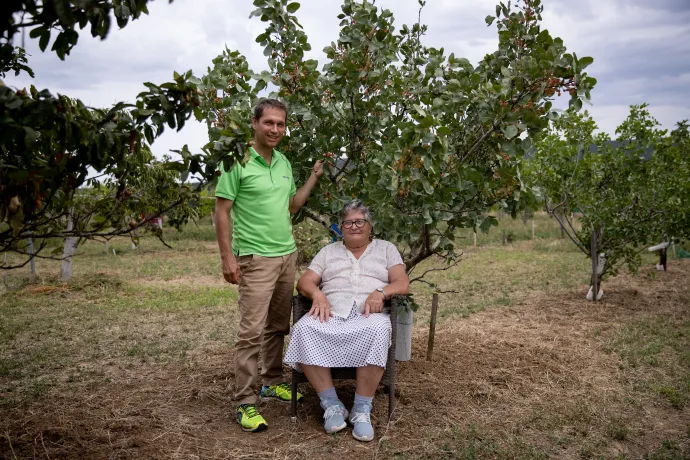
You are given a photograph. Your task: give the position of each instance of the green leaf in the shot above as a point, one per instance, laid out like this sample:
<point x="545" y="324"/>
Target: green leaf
<point x="292" y="7"/>
<point x="463" y="62"/>
<point x="260" y="86"/>
<point x="427" y="122"/>
<point x="576" y="104"/>
<point x="14" y="103"/>
<point x="510" y="131"/>
<point x="30" y="137"/>
<point x="444" y="131"/>
<point x="489" y="20"/>
<point x="44" y="40"/>
<point x="427" y="217"/>
<point x="261" y="38"/>
<point x="64" y="12"/>
<point x="36" y="32"/>
<point x="420" y="110"/>
<point x="487" y="223"/>
<point x="584" y="62"/>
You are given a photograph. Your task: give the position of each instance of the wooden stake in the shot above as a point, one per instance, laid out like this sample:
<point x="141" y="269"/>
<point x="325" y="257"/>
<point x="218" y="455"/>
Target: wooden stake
<point x="595" y="257"/>
<point x="475" y="240"/>
<point x="432" y="328"/>
<point x="504" y="238"/>
<point x="533" y="237"/>
<point x="5" y="270"/>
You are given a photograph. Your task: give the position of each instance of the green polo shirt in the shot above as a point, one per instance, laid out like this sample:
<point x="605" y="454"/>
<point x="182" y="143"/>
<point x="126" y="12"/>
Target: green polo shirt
<point x="261" y="205"/>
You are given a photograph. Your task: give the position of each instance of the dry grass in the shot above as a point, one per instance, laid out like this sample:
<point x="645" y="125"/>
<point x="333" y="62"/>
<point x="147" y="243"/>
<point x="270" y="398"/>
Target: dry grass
<point x="132" y="359"/>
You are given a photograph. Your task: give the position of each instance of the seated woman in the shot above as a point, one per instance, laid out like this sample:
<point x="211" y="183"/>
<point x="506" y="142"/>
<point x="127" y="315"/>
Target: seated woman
<point x="348" y="282"/>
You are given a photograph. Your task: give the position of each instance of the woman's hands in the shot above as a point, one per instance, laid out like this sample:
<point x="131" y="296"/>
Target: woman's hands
<point x="320" y="308"/>
<point x="374" y="303"/>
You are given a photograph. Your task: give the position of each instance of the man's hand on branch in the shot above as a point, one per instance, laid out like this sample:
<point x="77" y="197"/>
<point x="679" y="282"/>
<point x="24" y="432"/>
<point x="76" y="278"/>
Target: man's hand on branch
<point x="317" y="170"/>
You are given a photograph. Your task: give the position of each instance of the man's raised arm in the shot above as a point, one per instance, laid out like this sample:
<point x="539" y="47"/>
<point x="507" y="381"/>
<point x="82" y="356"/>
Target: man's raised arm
<point x="302" y="195"/>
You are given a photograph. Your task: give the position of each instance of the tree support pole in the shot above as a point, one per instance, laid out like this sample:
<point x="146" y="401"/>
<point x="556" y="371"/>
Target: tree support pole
<point x="533" y="230"/>
<point x="432" y="328"/>
<point x="595" y="276"/>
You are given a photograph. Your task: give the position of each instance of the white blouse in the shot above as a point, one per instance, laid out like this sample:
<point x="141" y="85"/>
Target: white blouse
<point x="346" y="280"/>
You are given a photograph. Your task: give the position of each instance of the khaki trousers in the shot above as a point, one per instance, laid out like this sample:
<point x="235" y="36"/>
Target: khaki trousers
<point x="265" y="303"/>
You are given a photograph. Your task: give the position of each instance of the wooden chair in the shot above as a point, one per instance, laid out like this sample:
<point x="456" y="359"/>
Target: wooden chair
<point x="301" y="306"/>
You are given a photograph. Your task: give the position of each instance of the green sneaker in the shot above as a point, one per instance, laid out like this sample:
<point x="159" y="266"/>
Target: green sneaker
<point x="250" y="419"/>
<point x="282" y="392"/>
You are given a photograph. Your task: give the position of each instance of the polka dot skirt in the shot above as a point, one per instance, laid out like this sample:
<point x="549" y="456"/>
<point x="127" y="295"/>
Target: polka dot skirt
<point x="355" y="341"/>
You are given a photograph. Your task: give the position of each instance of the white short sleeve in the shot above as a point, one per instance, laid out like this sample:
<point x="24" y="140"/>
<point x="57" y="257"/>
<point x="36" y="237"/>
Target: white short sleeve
<point x="318" y="263"/>
<point x="393" y="257"/>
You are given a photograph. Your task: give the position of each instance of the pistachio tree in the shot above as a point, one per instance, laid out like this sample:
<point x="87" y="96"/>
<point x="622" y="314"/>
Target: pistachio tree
<point x="53" y="145"/>
<point x="631" y="192"/>
<point x="427" y="138"/>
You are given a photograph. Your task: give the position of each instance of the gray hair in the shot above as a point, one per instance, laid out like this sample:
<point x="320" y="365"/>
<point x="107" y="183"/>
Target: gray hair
<point x="356" y="205"/>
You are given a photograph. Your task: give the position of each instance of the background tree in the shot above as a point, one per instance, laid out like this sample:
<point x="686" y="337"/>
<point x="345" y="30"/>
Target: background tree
<point x="631" y="192"/>
<point x="428" y="139"/>
<point x="50" y="146"/>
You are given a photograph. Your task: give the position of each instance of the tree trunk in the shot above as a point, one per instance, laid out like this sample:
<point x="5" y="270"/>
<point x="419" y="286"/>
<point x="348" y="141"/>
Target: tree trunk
<point x="32" y="260"/>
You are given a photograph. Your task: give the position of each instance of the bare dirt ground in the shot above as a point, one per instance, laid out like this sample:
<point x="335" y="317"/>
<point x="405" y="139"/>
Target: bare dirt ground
<point x="534" y="380"/>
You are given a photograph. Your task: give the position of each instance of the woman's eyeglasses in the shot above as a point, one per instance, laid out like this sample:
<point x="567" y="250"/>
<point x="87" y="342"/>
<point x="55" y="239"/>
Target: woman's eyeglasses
<point x="359" y="223"/>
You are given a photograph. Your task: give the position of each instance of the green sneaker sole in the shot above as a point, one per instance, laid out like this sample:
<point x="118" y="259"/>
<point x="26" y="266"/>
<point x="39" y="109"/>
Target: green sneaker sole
<point x="264" y="395"/>
<point x="259" y="427"/>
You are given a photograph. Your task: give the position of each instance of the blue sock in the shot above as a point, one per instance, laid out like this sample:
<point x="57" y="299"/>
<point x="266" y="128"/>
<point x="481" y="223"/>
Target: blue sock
<point x="362" y="403"/>
<point x="328" y="398"/>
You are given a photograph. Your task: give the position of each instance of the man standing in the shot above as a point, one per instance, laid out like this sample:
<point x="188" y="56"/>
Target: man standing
<point x="261" y="257"/>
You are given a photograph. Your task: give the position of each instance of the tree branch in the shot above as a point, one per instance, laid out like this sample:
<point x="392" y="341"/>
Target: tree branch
<point x="316" y="217"/>
<point x="555" y="214"/>
<point x="436" y="269"/>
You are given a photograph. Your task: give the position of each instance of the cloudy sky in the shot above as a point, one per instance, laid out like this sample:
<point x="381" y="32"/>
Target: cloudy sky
<point x="641" y="50"/>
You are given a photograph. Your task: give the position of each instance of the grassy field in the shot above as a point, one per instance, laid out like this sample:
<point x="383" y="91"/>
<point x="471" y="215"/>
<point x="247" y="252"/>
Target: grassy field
<point x="133" y="358"/>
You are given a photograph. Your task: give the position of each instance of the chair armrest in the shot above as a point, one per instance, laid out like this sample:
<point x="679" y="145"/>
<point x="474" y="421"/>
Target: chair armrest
<point x="300" y="307"/>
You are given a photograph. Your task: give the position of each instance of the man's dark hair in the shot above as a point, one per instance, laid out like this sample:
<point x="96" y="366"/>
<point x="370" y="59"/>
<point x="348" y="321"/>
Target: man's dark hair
<point x="266" y="103"/>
